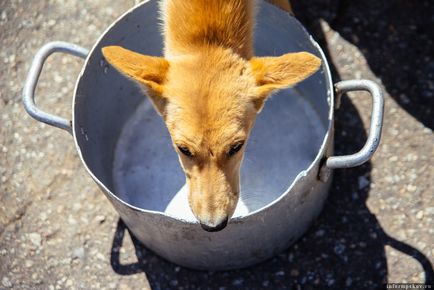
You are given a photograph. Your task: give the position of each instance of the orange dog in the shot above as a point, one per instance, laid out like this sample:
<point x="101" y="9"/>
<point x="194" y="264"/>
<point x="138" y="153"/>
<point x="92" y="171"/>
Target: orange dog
<point x="209" y="87"/>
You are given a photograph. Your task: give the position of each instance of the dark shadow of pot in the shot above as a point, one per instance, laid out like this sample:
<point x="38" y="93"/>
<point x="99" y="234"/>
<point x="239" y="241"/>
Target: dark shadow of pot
<point x="344" y="249"/>
<point x="395" y="37"/>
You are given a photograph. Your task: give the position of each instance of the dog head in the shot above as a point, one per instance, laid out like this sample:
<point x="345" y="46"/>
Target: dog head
<point x="209" y="101"/>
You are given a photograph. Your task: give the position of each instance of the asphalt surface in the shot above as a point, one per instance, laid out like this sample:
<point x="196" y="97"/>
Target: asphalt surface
<point x="58" y="231"/>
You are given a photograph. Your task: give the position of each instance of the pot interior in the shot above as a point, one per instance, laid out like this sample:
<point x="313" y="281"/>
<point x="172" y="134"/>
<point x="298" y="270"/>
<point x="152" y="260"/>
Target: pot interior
<point x="126" y="145"/>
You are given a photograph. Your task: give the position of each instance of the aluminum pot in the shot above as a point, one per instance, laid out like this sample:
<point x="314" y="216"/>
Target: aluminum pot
<point x="125" y="147"/>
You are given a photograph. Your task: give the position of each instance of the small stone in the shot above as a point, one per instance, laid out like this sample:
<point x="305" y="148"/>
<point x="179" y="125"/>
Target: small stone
<point x="394" y="132"/>
<point x="378" y="265"/>
<point x="58" y="79"/>
<point x="238" y="282"/>
<point x="280" y="273"/>
<point x="79" y="253"/>
<point x="266" y="283"/>
<point x="427" y="130"/>
<point x="100" y="219"/>
<point x="320" y="233"/>
<point x="35" y="239"/>
<point x="429" y="211"/>
<point x="76" y="206"/>
<point x="348" y="281"/>
<point x="6" y="282"/>
<point x="355" y="195"/>
<point x="404" y="99"/>
<point x="294" y="273"/>
<point x="72" y="220"/>
<point x="60" y="209"/>
<point x="28" y="263"/>
<point x="100" y="256"/>
<point x="393" y="159"/>
<point x="124" y="287"/>
<point x="392" y="178"/>
<point x="411" y="188"/>
<point x="43" y="216"/>
<point x="411" y="157"/>
<point x="4" y="16"/>
<point x="421" y="276"/>
<point x="421" y="245"/>
<point x="339" y="248"/>
<point x="419" y="215"/>
<point x="363" y="182"/>
<point x="68" y="283"/>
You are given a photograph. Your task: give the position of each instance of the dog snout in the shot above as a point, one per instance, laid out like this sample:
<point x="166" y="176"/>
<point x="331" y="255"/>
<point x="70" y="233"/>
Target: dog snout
<point x="215" y="228"/>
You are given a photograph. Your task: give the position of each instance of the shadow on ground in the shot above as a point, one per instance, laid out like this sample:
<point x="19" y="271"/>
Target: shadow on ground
<point x="345" y="248"/>
<point x="395" y="37"/>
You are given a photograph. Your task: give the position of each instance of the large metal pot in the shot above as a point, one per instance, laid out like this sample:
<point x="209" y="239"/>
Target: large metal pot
<point x="125" y="147"/>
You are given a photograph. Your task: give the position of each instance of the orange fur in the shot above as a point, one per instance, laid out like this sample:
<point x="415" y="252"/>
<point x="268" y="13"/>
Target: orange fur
<point x="282" y="4"/>
<point x="190" y="25"/>
<point x="208" y="89"/>
<point x="274" y="73"/>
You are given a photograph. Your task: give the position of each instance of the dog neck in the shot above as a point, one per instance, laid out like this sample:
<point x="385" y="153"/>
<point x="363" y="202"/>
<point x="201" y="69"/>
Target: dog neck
<point x="191" y="25"/>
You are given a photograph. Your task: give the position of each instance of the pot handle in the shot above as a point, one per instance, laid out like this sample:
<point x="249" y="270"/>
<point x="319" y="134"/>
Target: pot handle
<point x="374" y="136"/>
<point x="33" y="77"/>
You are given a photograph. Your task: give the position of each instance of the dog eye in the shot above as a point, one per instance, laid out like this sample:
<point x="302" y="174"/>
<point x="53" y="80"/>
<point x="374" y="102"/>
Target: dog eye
<point x="185" y="151"/>
<point x="235" y="148"/>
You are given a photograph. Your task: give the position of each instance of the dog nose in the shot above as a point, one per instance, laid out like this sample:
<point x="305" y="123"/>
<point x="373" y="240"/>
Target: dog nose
<point x="216" y="228"/>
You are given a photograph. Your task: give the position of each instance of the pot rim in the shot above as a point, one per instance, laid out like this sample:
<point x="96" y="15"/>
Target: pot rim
<point x="330" y="100"/>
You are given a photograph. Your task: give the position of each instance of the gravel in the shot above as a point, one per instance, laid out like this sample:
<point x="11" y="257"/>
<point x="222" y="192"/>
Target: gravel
<point x="58" y="231"/>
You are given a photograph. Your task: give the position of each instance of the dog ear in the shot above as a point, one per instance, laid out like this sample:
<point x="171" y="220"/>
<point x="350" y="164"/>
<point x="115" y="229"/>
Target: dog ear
<point x="149" y="71"/>
<point x="280" y="72"/>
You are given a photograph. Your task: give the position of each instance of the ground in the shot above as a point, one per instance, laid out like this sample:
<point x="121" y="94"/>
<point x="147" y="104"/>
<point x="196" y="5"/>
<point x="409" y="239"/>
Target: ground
<point x="58" y="231"/>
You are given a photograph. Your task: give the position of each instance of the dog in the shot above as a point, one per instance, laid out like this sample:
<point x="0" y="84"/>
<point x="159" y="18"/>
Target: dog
<point x="209" y="88"/>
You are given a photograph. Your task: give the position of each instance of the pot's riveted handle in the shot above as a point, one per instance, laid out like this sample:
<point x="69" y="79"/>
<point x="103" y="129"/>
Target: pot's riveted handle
<point x="374" y="136"/>
<point x="33" y="77"/>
